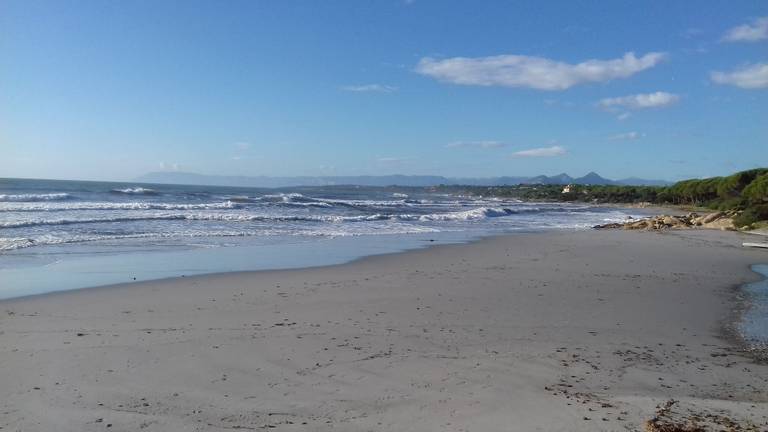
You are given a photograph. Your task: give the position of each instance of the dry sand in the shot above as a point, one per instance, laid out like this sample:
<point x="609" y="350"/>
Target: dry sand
<point x="553" y="332"/>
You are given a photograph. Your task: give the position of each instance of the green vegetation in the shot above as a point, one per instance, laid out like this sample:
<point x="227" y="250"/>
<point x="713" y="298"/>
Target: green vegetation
<point x="746" y="191"/>
<point x="752" y="215"/>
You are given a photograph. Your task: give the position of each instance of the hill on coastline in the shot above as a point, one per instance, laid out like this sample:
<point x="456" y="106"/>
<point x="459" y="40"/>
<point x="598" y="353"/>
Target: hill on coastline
<point x="592" y="178"/>
<point x="743" y="194"/>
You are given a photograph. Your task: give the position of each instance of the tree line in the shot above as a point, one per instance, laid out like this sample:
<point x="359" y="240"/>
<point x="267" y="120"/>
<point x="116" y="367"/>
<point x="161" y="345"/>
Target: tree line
<point x="746" y="191"/>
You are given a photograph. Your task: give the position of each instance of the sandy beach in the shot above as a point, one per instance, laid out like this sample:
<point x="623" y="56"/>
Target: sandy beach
<point x="577" y="331"/>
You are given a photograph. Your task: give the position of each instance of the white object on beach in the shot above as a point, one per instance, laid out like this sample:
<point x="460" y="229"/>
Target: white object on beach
<point x="757" y="245"/>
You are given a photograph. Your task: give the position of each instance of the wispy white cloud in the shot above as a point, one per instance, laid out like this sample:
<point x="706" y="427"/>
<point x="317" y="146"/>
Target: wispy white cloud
<point x="748" y="77"/>
<point x="640" y="101"/>
<point x="475" y="144"/>
<point x="242" y="145"/>
<point x="626" y="136"/>
<point x="623" y="116"/>
<point x="370" y="88"/>
<point x="540" y="152"/>
<point x="533" y="72"/>
<point x="755" y="31"/>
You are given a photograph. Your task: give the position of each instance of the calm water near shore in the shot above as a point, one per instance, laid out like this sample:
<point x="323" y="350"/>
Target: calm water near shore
<point x="754" y="325"/>
<point x="22" y="274"/>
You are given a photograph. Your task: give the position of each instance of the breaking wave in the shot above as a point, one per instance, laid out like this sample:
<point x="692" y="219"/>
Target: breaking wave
<point x="13" y="243"/>
<point x="135" y="191"/>
<point x="93" y="212"/>
<point x="34" y="197"/>
<point x="53" y="207"/>
<point x="480" y="213"/>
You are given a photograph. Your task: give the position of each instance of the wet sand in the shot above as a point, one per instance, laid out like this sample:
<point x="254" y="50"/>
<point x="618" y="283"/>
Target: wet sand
<point x="557" y="331"/>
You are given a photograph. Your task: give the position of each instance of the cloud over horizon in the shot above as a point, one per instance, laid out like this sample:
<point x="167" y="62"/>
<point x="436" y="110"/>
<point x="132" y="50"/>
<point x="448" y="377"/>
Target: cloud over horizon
<point x="757" y="30"/>
<point x="640" y="101"/>
<point x="533" y="72"/>
<point x="370" y="88"/>
<point x="747" y="77"/>
<point x="541" y="152"/>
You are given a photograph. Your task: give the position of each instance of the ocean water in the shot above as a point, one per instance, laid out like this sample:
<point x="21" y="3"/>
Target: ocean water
<point x="57" y="235"/>
<point x="754" y="324"/>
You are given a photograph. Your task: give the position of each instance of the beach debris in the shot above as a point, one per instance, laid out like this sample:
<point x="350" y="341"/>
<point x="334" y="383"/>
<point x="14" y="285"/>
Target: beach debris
<point x="716" y="220"/>
<point x="671" y="416"/>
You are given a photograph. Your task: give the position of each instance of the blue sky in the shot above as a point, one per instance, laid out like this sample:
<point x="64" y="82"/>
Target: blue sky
<point x="112" y="90"/>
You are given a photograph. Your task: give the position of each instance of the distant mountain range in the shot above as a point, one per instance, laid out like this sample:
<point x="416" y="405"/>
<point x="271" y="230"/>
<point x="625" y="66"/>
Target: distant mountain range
<point x="175" y="177"/>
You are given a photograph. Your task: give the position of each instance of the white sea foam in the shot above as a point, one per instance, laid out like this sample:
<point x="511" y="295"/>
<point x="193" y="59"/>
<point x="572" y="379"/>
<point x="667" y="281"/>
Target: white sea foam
<point x="309" y="204"/>
<point x="468" y="215"/>
<point x="111" y="217"/>
<point x="475" y="214"/>
<point x="136" y="191"/>
<point x="52" y="239"/>
<point x="300" y="199"/>
<point x="241" y="199"/>
<point x="283" y="196"/>
<point x="221" y="217"/>
<point x="366" y="203"/>
<point x="294" y="199"/>
<point x="34" y="197"/>
<point x="404" y="201"/>
<point x="73" y="206"/>
<point x="73" y="221"/>
<point x="13" y="243"/>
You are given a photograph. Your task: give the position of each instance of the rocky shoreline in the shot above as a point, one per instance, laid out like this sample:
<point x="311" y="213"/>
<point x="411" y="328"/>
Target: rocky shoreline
<point x="722" y="220"/>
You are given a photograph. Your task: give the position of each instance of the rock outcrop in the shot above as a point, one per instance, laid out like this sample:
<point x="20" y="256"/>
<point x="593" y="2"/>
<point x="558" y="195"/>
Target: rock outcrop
<point x="716" y="220"/>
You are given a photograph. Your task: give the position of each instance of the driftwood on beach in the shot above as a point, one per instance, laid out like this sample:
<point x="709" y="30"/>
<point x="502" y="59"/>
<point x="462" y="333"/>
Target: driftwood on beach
<point x="717" y="220"/>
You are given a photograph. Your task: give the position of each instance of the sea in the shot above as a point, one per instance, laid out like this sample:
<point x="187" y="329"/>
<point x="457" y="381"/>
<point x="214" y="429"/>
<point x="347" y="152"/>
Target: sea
<point x="60" y="235"/>
<point x="753" y="328"/>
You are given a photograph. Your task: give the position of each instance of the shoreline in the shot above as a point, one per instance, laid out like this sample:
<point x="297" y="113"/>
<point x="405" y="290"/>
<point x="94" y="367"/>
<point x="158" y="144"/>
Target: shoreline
<point x="618" y="316"/>
<point x="414" y="242"/>
<point x="426" y="246"/>
<point x="757" y="349"/>
<point x="243" y="273"/>
<point x="729" y="326"/>
<point x="70" y="266"/>
<point x="364" y="246"/>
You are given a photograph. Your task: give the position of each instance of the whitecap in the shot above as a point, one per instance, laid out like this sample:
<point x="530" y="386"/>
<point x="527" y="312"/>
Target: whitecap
<point x="59" y="206"/>
<point x="34" y="197"/>
<point x="135" y="191"/>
